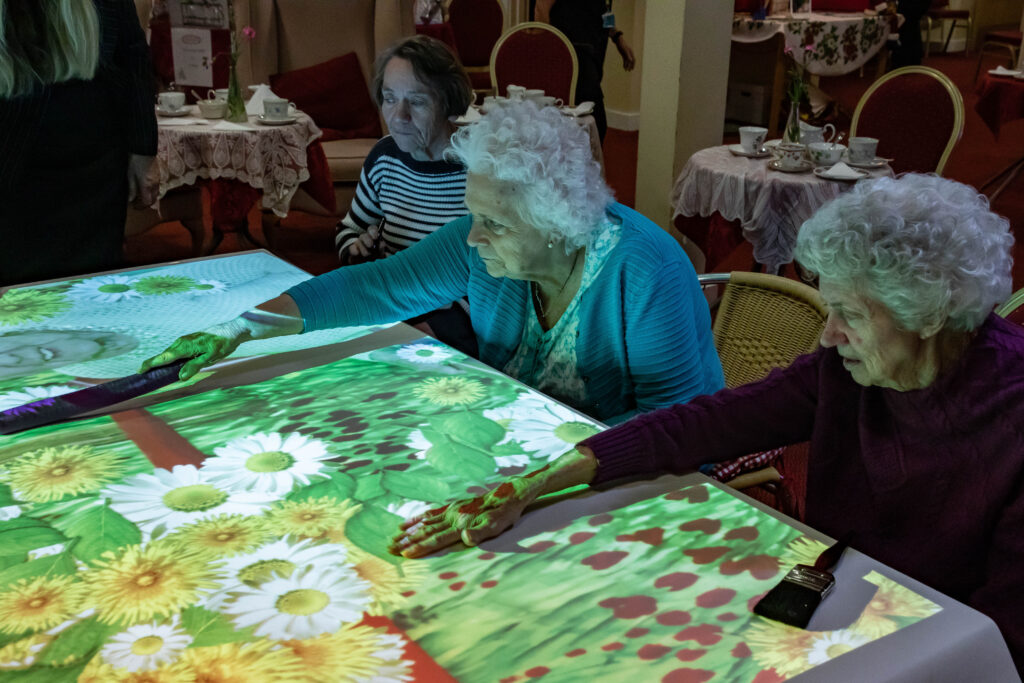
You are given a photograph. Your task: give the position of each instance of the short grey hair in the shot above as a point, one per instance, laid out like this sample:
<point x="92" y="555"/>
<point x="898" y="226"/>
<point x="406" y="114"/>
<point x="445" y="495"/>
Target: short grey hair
<point x="927" y="248"/>
<point x="548" y="156"/>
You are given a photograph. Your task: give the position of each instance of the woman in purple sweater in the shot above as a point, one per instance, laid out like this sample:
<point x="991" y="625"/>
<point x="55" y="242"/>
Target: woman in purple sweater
<point x="914" y="405"/>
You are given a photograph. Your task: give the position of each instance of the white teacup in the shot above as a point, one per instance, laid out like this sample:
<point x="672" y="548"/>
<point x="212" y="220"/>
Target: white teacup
<point x="547" y="101"/>
<point x="810" y="134"/>
<point x="790" y="155"/>
<point x="516" y="92"/>
<point x="825" y="153"/>
<point x="490" y="102"/>
<point x="171" y="100"/>
<point x="276" y="108"/>
<point x="533" y="94"/>
<point x="219" y="94"/>
<point x="752" y="138"/>
<point x="863" y="150"/>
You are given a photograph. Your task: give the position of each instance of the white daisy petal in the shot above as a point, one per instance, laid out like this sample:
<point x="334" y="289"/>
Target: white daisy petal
<point x="409" y="508"/>
<point x="831" y="644"/>
<point x="10" y="512"/>
<point x="146" y="646"/>
<point x="267" y="462"/>
<point x="418" y="443"/>
<point x="105" y="288"/>
<point x="207" y="287"/>
<point x="304" y="605"/>
<point x="424" y="353"/>
<point x="182" y="496"/>
<point x="549" y="430"/>
<point x="13" y="399"/>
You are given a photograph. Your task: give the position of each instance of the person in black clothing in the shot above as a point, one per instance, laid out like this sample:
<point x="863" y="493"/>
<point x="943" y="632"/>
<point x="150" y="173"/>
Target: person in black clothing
<point x="910" y="48"/>
<point x="77" y="134"/>
<point x="584" y="23"/>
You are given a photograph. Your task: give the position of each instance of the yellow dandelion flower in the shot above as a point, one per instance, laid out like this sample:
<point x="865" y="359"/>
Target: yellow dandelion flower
<point x="255" y="662"/>
<point x="801" y="550"/>
<point x="223" y="535"/>
<point x="134" y="585"/>
<point x="450" y="391"/>
<point x="343" y="656"/>
<point x="100" y="671"/>
<point x="39" y="603"/>
<point x="890" y="600"/>
<point x="310" y="518"/>
<point x="387" y="581"/>
<point x="778" y="646"/>
<point x="22" y="653"/>
<point x="52" y="473"/>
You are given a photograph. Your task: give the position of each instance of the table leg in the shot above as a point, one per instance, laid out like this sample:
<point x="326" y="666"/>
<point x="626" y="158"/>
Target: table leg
<point x="1010" y="173"/>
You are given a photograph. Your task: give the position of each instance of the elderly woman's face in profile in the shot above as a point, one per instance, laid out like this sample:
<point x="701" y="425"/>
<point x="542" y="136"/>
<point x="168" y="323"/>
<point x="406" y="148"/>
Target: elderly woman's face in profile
<point x="507" y="247"/>
<point x="875" y="350"/>
<point x="412" y="111"/>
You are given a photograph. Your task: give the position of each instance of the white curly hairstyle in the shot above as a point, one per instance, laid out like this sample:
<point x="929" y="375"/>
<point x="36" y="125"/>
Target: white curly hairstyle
<point x="548" y="156"/>
<point x="929" y="249"/>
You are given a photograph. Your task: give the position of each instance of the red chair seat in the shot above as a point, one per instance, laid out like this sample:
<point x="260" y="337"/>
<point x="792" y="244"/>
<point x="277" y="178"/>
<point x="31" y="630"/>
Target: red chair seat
<point x="1008" y="36"/>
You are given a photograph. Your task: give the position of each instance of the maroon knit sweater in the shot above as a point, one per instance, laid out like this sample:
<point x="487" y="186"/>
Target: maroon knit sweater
<point x="930" y="482"/>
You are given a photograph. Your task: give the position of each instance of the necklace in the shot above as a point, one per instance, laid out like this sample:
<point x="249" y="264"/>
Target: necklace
<point x="535" y="288"/>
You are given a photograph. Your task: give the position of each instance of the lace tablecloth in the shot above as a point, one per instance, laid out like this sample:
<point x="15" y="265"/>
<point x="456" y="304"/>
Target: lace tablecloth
<point x="841" y="42"/>
<point x="769" y="205"/>
<point x="271" y="159"/>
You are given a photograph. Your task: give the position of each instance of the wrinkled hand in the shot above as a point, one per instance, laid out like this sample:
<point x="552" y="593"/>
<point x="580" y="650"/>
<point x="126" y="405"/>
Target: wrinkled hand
<point x="628" y="59"/>
<point x="471" y="521"/>
<point x="202" y="347"/>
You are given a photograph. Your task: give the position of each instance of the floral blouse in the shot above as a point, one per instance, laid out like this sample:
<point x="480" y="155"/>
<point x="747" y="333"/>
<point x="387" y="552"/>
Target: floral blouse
<point x="547" y="360"/>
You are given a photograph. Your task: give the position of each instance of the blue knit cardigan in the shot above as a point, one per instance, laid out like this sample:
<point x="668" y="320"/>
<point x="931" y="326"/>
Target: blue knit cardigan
<point x="644" y="333"/>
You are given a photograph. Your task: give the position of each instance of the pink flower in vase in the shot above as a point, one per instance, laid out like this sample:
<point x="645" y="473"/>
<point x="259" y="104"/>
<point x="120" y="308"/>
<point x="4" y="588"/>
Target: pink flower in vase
<point x="249" y="33"/>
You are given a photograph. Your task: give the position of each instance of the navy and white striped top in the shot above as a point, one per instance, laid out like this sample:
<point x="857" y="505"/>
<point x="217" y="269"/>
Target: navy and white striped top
<point x="401" y="200"/>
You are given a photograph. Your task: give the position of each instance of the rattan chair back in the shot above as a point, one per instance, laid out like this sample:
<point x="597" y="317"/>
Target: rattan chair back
<point x="763" y="322"/>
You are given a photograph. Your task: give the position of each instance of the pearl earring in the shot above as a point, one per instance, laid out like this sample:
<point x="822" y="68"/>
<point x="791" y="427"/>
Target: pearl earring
<point x="551" y="244"/>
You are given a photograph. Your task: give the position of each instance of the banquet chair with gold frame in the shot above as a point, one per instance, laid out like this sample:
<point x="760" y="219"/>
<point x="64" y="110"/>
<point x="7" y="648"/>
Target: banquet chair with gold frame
<point x="917" y="114"/>
<point x="1013" y="308"/>
<point x="762" y="322"/>
<point x="940" y="12"/>
<point x="535" y="55"/>
<point x="477" y="26"/>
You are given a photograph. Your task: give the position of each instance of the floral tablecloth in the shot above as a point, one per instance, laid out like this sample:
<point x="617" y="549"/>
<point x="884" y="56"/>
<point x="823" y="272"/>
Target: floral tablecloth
<point x="240" y="534"/>
<point x="769" y="205"/>
<point x="841" y="42"/>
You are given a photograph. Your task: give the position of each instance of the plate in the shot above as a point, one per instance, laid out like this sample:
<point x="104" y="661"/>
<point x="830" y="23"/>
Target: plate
<point x="822" y="172"/>
<point x="877" y="162"/>
<point x="276" y="122"/>
<point x="806" y="166"/>
<point x="1002" y="71"/>
<point x="740" y="152"/>
<point x="184" y="111"/>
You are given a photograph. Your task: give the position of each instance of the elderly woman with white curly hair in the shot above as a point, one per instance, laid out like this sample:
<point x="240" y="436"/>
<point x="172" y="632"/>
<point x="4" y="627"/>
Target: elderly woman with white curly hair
<point x="914" y="405"/>
<point x="569" y="292"/>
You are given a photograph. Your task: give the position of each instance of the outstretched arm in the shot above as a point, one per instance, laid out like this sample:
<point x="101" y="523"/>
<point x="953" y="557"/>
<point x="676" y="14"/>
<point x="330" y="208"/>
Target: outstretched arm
<point x="474" y="521"/>
<point x="274" y="318"/>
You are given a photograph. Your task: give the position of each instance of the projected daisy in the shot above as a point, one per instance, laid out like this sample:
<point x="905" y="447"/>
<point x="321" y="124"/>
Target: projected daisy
<point x="223" y="535"/>
<point x="146" y="646"/>
<point x="30" y="305"/>
<point x="50" y="474"/>
<point x="550" y="431"/>
<point x="105" y="288"/>
<point x="312" y="517"/>
<point x="424" y="353"/>
<point x="39" y="603"/>
<point x="308" y="603"/>
<point x="13" y="399"/>
<point x="133" y="585"/>
<point x="450" y="391"/>
<point x="267" y="462"/>
<point x="261" y="660"/>
<point x="164" y="501"/>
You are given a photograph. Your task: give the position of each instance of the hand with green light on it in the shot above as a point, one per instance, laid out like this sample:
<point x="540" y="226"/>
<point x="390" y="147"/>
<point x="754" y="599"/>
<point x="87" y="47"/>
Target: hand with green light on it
<point x="474" y="521"/>
<point x="204" y="348"/>
<point x="274" y="318"/>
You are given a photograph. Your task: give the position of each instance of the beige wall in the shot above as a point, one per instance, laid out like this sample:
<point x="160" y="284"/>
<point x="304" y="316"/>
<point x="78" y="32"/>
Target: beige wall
<point x="622" y="88"/>
<point x="682" y="99"/>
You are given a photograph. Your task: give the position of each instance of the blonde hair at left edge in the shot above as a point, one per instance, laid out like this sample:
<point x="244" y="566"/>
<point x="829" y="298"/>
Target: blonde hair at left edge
<point x="43" y="42"/>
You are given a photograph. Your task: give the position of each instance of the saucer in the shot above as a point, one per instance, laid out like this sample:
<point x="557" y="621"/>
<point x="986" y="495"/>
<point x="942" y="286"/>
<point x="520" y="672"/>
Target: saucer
<point x="806" y="166"/>
<point x="740" y="152"/>
<point x="277" y="122"/>
<point x="184" y="111"/>
<point x="1003" y="71"/>
<point x="877" y="162"/>
<point x="826" y="173"/>
<point x="770" y="144"/>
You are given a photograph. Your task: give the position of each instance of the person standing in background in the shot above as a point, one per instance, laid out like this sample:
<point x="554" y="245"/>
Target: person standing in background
<point x="589" y="25"/>
<point x="911" y="48"/>
<point x="77" y="134"/>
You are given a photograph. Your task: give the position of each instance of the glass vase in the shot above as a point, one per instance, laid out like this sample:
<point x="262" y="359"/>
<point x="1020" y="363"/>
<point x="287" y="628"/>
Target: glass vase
<point x="792" y="130"/>
<point x="236" y="105"/>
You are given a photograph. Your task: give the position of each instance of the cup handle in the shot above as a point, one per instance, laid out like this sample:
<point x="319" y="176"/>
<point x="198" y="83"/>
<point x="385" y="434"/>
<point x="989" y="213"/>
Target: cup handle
<point x="826" y="136"/>
<point x="559" y="102"/>
<point x="211" y="94"/>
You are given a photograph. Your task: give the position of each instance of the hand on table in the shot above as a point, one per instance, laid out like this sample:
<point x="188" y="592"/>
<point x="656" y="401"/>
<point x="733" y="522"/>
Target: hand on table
<point x="471" y="521"/>
<point x="203" y="348"/>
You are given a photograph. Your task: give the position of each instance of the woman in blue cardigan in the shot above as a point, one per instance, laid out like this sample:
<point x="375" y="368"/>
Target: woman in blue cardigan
<point x="569" y="292"/>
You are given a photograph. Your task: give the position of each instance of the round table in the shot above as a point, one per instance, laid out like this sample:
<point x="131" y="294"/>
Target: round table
<point x="241" y="162"/>
<point x="769" y="206"/>
<point x="842" y="42"/>
<point x="1000" y="101"/>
